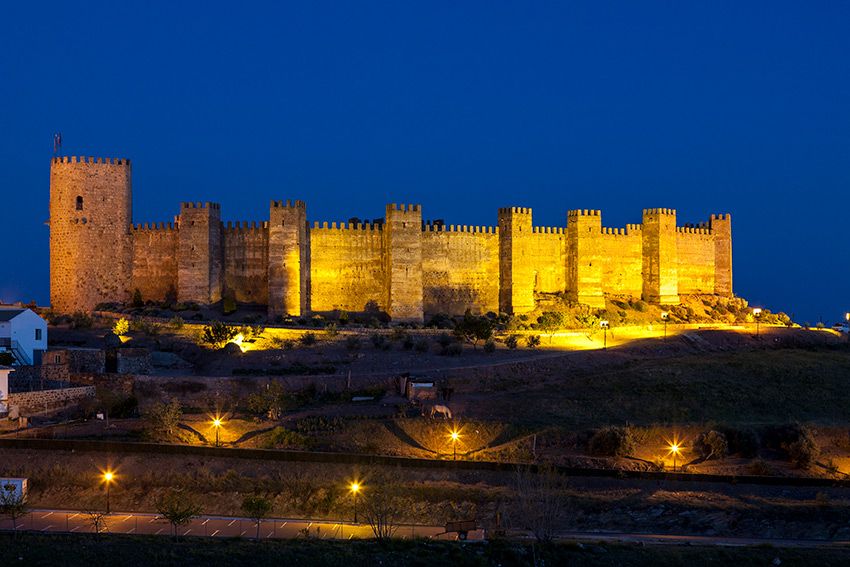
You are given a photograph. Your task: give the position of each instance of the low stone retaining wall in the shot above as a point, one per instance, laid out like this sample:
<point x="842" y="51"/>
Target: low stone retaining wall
<point x="45" y="400"/>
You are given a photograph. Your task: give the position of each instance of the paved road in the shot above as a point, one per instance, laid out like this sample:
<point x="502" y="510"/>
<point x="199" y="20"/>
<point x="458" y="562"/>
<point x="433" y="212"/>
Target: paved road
<point x="77" y="521"/>
<point x="679" y="539"/>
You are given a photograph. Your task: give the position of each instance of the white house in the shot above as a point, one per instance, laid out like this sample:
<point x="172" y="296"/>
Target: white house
<point x="22" y="333"/>
<point x="4" y="389"/>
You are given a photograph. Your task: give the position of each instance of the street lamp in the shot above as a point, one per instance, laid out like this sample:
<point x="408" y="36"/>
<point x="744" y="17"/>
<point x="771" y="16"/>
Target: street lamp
<point x="108" y="478"/>
<point x="665" y="315"/>
<point x="757" y="315"/>
<point x="604" y="325"/>
<point x="217" y="424"/>
<point x="454" y="435"/>
<point x="355" y="488"/>
<point x="675" y="449"/>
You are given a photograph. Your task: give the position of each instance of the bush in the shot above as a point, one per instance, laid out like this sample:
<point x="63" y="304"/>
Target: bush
<point x="444" y="339"/>
<point x="795" y="440"/>
<point x="81" y="320"/>
<point x="512" y="341"/>
<point x="743" y="442"/>
<point x="422" y="345"/>
<point x="331" y="330"/>
<point x="490" y="346"/>
<point x="803" y="451"/>
<point x="408" y="342"/>
<point x="453" y="349"/>
<point x="711" y="445"/>
<point x="639" y="306"/>
<point x="176" y="322"/>
<point x="760" y="467"/>
<point x="228" y="305"/>
<point x="612" y="441"/>
<point x="121" y="327"/>
<point x="218" y="334"/>
<point x="352" y="342"/>
<point x="137" y="299"/>
<point x="379" y="341"/>
<point x="308" y="339"/>
<point x="532" y="341"/>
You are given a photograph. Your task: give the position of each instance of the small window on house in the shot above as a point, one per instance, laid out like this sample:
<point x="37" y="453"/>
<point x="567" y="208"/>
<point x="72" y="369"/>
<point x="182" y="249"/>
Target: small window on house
<point x="38" y="334"/>
<point x="79" y="203"/>
<point x="57" y="359"/>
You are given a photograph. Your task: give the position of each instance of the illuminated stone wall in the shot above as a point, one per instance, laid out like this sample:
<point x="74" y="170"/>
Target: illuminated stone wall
<point x="406" y="267"/>
<point x="90" y="243"/>
<point x="460" y="269"/>
<point x="347" y="267"/>
<point x="154" y="260"/>
<point x="246" y="262"/>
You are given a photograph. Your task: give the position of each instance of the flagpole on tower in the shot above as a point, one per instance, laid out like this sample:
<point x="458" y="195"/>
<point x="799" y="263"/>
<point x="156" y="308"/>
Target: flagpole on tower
<point x="57" y="142"/>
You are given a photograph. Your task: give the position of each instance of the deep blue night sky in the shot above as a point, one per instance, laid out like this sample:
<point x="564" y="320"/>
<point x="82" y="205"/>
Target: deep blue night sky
<point x="463" y="107"/>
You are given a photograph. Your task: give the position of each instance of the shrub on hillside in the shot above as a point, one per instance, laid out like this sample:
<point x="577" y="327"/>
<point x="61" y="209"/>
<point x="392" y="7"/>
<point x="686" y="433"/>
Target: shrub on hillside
<point x="422" y="345"/>
<point x="218" y="334"/>
<point x="532" y="341"/>
<point x="612" y="441"/>
<point x="711" y="445"/>
<point x="453" y="349"/>
<point x="795" y="440"/>
<point x="352" y="342"/>
<point x="308" y="338"/>
<point x="490" y="346"/>
<point x="512" y="341"/>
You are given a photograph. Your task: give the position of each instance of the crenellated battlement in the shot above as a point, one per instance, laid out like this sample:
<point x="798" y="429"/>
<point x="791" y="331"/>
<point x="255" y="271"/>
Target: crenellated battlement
<point x="90" y="160"/>
<point x="207" y="205"/>
<point x="244" y="226"/>
<point x="515" y="210"/>
<point x="659" y="212"/>
<point x="701" y="230"/>
<point x="547" y="230"/>
<point x="584" y="213"/>
<point x="346" y="226"/>
<point x="405" y="208"/>
<point x="628" y="231"/>
<point x="154" y="227"/>
<point x="288" y="204"/>
<point x="721" y="217"/>
<point x="460" y="228"/>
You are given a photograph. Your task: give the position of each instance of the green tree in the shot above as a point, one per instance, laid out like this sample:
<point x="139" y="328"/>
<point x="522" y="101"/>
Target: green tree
<point x="137" y="299"/>
<point x="550" y="322"/>
<point x="269" y="401"/>
<point x="13" y="503"/>
<point x="257" y="507"/>
<point x="178" y="508"/>
<point x="218" y="334"/>
<point x="121" y="327"/>
<point x="163" y="419"/>
<point x="473" y="329"/>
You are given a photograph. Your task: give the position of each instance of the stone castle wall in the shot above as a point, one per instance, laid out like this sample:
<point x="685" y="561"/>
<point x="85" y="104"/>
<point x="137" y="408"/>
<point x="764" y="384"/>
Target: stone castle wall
<point x="404" y="265"/>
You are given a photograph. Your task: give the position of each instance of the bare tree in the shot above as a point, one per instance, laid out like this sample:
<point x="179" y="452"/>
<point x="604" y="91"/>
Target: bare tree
<point x="539" y="501"/>
<point x="97" y="520"/>
<point x="13" y="503"/>
<point x="178" y="508"/>
<point x="382" y="507"/>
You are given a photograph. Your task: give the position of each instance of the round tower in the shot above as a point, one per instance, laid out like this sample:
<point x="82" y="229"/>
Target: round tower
<point x="90" y="242"/>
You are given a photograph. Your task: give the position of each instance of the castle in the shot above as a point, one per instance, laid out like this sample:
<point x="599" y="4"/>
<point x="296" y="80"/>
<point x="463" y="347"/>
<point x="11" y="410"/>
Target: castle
<point x="408" y="267"/>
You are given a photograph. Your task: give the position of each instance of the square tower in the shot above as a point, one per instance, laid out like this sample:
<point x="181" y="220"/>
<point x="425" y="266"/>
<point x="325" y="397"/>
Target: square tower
<point x="516" y="269"/>
<point x="199" y="253"/>
<point x="403" y="234"/>
<point x="288" y="259"/>
<point x="660" y="257"/>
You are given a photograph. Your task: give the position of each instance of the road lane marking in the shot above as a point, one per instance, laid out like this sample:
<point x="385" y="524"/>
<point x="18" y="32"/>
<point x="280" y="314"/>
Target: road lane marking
<point x="215" y="532"/>
<point x="75" y="528"/>
<point x="47" y="515"/>
<point x="47" y="528"/>
<point x="159" y="531"/>
<point x="231" y="523"/>
<point x="204" y="523"/>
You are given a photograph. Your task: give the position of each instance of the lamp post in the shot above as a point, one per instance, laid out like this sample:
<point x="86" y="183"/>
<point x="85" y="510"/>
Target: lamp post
<point x="454" y="436"/>
<point x="604" y="325"/>
<point x="217" y="424"/>
<point x="665" y="315"/>
<point x="355" y="488"/>
<point x="757" y="315"/>
<point x="674" y="448"/>
<point x="108" y="477"/>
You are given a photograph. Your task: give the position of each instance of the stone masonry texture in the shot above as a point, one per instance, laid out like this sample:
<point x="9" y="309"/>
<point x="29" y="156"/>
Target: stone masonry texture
<point x="402" y="264"/>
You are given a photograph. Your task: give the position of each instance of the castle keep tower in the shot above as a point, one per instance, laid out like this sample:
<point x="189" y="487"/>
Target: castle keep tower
<point x="199" y="253"/>
<point x="516" y="271"/>
<point x="721" y="228"/>
<point x="90" y="247"/>
<point x="288" y="260"/>
<point x="403" y="233"/>
<point x="584" y="275"/>
<point x="660" y="257"/>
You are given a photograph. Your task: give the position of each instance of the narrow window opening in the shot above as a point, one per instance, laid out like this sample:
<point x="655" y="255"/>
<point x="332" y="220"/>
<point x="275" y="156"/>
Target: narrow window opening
<point x="79" y="203"/>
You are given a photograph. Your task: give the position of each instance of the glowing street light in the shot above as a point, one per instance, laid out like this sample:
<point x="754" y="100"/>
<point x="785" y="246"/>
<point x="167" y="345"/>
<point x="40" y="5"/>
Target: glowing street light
<point x="454" y="435"/>
<point x="108" y="478"/>
<point x="217" y="423"/>
<point x="665" y="315"/>
<point x="675" y="449"/>
<point x="757" y="315"/>
<point x="355" y="489"/>
<point x="604" y="324"/>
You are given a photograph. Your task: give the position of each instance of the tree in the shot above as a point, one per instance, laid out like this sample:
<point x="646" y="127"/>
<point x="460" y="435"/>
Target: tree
<point x="539" y="502"/>
<point x="218" y="334"/>
<point x="163" y="419"/>
<point x="473" y="329"/>
<point x="121" y="327"/>
<point x="97" y="519"/>
<point x="269" y="401"/>
<point x="711" y="445"/>
<point x="550" y="322"/>
<point x="257" y="507"/>
<point x="612" y="441"/>
<point x="382" y="507"/>
<point x="13" y="503"/>
<point x="532" y="341"/>
<point x="137" y="299"/>
<point x="178" y="508"/>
